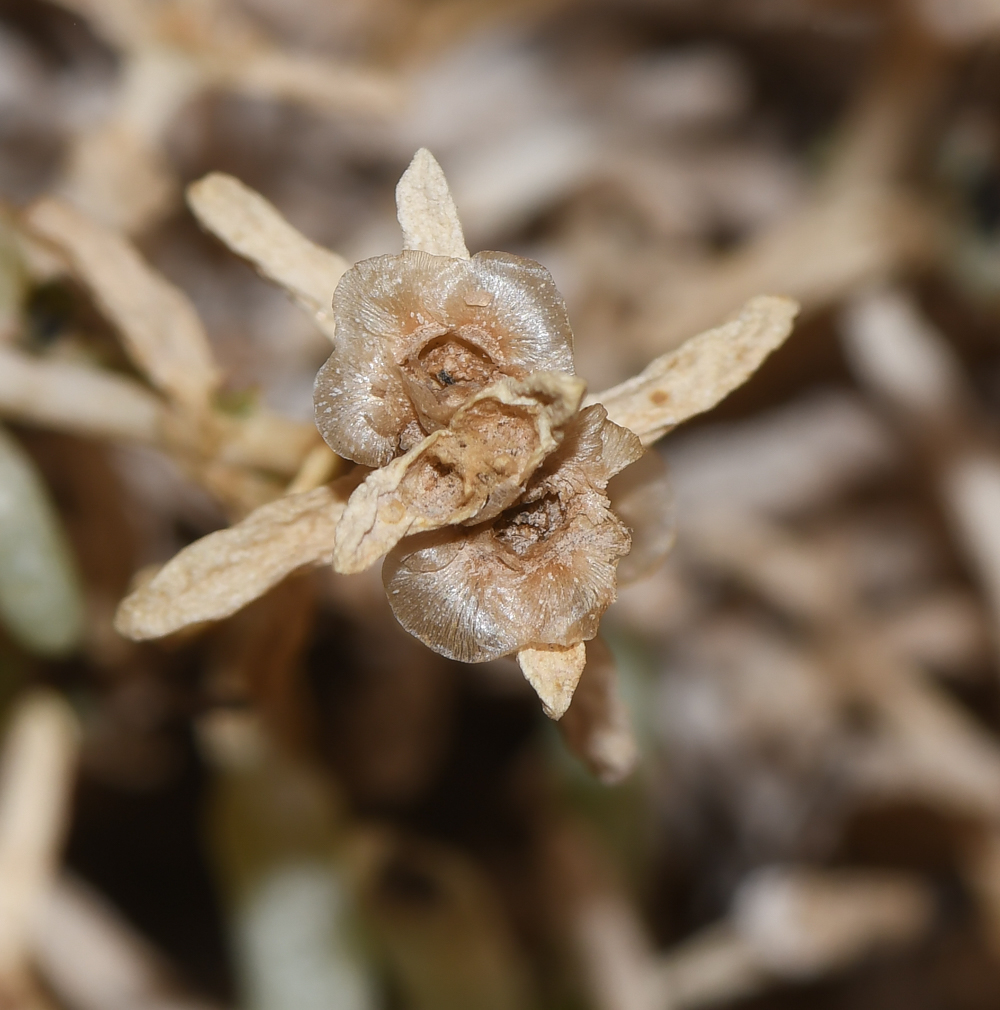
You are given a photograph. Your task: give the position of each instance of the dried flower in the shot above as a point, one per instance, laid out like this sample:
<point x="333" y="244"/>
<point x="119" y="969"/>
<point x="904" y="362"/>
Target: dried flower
<point x="541" y="573"/>
<point x="451" y="376"/>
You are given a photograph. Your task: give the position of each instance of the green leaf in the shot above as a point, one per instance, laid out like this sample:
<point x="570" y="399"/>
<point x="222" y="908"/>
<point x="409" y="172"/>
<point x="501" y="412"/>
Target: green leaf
<point x="41" y="601"/>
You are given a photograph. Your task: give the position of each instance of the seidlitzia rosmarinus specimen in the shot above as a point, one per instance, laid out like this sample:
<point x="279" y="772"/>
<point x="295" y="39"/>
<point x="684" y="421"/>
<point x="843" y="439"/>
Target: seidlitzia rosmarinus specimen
<point x="482" y="471"/>
<point x="453" y="374"/>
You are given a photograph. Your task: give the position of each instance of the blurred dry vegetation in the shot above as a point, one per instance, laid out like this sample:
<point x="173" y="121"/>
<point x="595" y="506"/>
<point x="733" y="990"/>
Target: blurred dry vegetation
<point x="301" y="807"/>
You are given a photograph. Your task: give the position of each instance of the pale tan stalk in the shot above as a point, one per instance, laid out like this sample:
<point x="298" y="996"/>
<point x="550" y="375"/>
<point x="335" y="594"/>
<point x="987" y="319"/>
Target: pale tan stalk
<point x="36" y="778"/>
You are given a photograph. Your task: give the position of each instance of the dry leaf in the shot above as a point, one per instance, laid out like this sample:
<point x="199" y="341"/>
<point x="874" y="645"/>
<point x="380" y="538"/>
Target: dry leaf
<point x="834" y="244"/>
<point x="319" y="467"/>
<point x="902" y="357"/>
<point x="792" y="923"/>
<point x="971" y="488"/>
<point x="123" y="23"/>
<point x="92" y="958"/>
<point x="944" y="630"/>
<point x="701" y="372"/>
<point x="896" y="351"/>
<point x="553" y="671"/>
<point x="931" y="749"/>
<point x="960" y="21"/>
<point x="160" y="328"/>
<point x="238" y="490"/>
<point x="784" y="461"/>
<point x="217" y="575"/>
<point x="426" y="210"/>
<point x="758" y="553"/>
<point x="265" y="441"/>
<point x="77" y="399"/>
<point x="320" y="83"/>
<point x="254" y="229"/>
<point x="923" y="744"/>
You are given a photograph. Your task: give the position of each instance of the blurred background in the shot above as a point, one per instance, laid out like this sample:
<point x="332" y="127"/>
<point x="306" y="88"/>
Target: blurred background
<point x="302" y="807"/>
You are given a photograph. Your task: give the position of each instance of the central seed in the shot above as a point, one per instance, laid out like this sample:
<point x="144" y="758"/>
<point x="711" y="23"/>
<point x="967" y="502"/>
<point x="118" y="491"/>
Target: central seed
<point x="452" y="361"/>
<point x="521" y="528"/>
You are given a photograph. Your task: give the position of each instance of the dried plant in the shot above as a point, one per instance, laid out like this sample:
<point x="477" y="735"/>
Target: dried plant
<point x="452" y="376"/>
<point x="806" y="686"/>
